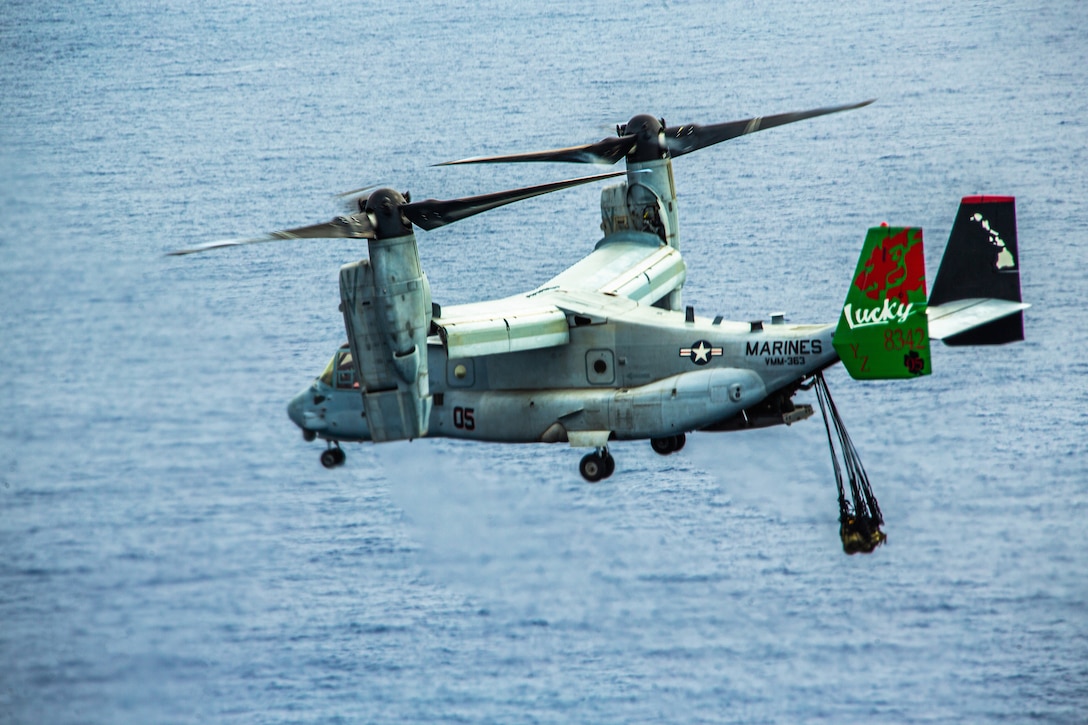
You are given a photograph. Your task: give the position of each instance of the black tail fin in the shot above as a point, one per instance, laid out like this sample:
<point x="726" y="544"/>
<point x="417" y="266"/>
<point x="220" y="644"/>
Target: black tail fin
<point x="982" y="260"/>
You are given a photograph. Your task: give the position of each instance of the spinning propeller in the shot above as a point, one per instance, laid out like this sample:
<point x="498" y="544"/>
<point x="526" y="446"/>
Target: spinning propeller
<point x="385" y="214"/>
<point x="644" y="138"/>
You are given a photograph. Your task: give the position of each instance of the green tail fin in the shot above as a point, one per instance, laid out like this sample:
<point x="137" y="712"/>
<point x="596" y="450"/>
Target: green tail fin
<point x="883" y="331"/>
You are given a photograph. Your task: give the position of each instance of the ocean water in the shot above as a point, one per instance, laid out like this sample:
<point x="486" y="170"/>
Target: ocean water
<point x="170" y="549"/>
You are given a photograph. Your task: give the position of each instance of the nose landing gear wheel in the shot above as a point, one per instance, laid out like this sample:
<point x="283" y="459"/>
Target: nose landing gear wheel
<point x="333" y="457"/>
<point x="597" y="466"/>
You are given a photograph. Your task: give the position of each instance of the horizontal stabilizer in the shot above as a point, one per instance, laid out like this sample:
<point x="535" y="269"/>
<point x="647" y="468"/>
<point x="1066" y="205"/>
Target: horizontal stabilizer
<point x="955" y="318"/>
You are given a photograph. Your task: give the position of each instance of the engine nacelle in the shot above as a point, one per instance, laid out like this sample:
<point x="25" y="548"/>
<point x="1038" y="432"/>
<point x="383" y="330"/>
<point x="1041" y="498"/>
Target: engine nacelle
<point x="637" y="207"/>
<point x="614" y="214"/>
<point x="387" y="312"/>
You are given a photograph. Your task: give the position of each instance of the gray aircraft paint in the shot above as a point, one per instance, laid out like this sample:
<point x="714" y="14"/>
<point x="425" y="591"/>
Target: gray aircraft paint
<point x="600" y="352"/>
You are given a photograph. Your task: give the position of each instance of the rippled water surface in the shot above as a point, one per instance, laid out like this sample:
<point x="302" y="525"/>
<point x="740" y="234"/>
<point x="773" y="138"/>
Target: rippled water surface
<point x="173" y="552"/>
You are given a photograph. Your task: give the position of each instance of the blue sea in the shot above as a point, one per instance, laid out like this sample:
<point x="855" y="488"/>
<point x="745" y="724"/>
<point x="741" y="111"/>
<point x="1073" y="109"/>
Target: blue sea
<point x="171" y="551"/>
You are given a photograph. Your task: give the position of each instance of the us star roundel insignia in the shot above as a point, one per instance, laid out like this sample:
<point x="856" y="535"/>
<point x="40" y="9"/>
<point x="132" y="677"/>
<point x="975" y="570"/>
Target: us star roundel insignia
<point x="701" y="352"/>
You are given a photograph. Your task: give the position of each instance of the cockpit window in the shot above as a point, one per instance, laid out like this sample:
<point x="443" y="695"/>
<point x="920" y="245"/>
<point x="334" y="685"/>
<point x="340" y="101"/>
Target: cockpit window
<point x="345" y="370"/>
<point x="326" y="375"/>
<point x="340" y="369"/>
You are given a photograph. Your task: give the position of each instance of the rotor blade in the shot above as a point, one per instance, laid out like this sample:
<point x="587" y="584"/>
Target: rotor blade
<point x="356" y="226"/>
<point x="432" y="213"/>
<point x="355" y="200"/>
<point x="607" y="151"/>
<point x="355" y="192"/>
<point x="681" y="140"/>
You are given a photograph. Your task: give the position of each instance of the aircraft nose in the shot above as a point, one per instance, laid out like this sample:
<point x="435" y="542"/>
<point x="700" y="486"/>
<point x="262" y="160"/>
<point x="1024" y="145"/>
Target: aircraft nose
<point x="296" y="409"/>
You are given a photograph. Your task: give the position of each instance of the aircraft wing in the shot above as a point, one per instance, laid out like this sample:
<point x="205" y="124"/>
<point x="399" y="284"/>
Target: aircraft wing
<point x="635" y="265"/>
<point x="625" y="270"/>
<point x="517" y="323"/>
<point x="539" y="319"/>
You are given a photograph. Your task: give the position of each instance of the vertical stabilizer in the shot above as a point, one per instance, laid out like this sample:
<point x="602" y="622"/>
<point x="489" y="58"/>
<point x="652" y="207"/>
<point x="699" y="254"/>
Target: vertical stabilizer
<point x="982" y="261"/>
<point x="883" y="332"/>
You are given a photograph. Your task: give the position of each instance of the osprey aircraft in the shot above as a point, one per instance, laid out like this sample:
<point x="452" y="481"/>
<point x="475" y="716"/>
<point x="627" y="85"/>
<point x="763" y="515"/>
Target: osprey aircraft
<point x="606" y="351"/>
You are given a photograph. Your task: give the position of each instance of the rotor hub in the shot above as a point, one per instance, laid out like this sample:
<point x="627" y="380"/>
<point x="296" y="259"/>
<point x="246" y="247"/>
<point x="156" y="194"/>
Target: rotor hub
<point x="649" y="133"/>
<point x="384" y="207"/>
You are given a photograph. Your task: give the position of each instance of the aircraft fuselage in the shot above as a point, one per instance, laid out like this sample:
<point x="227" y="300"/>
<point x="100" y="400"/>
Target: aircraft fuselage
<point x="656" y="376"/>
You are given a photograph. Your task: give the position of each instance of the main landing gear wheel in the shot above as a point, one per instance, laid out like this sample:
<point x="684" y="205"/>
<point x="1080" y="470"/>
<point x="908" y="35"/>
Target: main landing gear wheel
<point x="333" y="457"/>
<point x="597" y="466"/>
<point x="668" y="444"/>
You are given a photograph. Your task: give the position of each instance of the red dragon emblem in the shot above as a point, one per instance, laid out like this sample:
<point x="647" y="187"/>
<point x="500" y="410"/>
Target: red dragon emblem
<point x="895" y="268"/>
